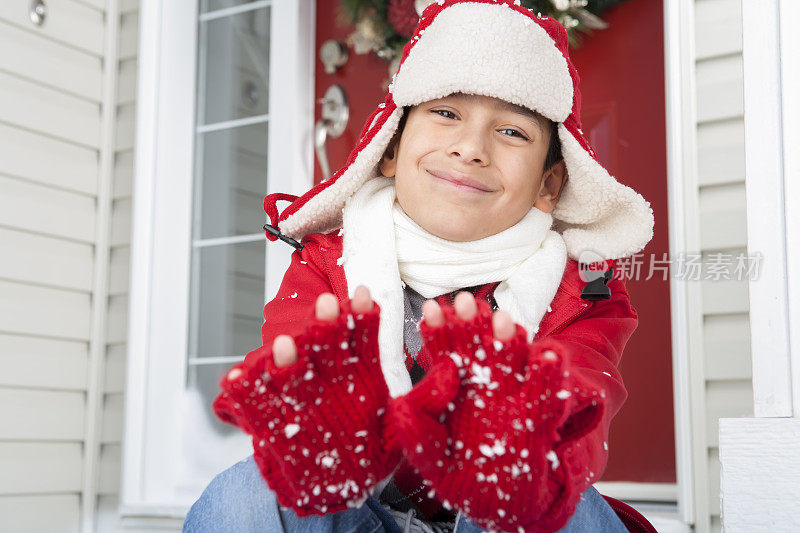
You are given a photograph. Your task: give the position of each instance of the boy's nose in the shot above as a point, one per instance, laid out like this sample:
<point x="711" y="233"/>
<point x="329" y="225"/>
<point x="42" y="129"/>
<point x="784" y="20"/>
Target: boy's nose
<point x="470" y="147"/>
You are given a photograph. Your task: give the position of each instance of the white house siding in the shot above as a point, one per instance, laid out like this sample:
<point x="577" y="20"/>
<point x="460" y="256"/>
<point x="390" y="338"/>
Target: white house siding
<point x="51" y="81"/>
<point x="50" y="128"/>
<point x="722" y="229"/>
<point x="50" y="124"/>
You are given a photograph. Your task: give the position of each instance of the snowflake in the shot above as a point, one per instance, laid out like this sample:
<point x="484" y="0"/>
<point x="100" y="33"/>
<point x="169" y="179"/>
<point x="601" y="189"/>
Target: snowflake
<point x="553" y="458"/>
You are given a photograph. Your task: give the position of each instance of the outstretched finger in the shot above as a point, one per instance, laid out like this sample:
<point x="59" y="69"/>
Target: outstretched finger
<point x="362" y="302"/>
<point x="465" y="305"/>
<point x="284" y="351"/>
<point x="503" y="325"/>
<point x="432" y="314"/>
<point x="327" y="306"/>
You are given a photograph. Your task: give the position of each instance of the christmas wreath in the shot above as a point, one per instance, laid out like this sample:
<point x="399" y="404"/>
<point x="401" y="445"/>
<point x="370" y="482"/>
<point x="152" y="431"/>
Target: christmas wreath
<point x="384" y="26"/>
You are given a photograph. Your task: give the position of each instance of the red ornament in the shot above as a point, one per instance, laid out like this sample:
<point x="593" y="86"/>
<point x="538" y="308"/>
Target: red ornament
<point x="403" y="17"/>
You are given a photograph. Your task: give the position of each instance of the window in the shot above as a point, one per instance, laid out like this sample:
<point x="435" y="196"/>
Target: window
<point x="201" y="268"/>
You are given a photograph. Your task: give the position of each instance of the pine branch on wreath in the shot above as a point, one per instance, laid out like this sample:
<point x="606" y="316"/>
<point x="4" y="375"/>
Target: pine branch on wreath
<point x="384" y="26"/>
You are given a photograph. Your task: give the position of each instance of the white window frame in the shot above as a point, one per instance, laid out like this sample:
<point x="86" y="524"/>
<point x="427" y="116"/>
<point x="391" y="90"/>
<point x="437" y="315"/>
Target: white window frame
<point x="161" y="241"/>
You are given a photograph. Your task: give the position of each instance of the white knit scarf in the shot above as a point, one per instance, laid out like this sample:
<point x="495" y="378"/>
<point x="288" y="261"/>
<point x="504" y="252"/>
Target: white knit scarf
<point x="382" y="246"/>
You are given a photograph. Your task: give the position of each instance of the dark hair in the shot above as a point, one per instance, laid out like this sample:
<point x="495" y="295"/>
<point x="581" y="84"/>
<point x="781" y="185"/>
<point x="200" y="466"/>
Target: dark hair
<point x="553" y="150"/>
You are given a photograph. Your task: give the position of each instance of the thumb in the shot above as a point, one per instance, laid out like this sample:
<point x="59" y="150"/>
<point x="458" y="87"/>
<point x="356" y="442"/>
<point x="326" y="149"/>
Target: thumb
<point x="413" y="419"/>
<point x="437" y="389"/>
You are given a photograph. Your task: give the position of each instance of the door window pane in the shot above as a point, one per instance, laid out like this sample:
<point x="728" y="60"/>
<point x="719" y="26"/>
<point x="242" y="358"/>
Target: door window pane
<point x="232" y="185"/>
<point x="227" y="299"/>
<point x="233" y="67"/>
<point x="228" y="260"/>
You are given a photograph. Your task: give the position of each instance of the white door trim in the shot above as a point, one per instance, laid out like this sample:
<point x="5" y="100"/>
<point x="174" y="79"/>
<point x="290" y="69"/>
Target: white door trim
<point x="688" y="375"/>
<point x="160" y="245"/>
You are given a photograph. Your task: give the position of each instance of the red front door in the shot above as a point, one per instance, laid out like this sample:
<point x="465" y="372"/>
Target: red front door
<point x="622" y="86"/>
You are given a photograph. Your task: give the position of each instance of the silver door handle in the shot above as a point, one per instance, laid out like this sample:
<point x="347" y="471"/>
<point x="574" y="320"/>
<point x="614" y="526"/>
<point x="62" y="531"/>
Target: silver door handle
<point x="335" y="114"/>
<point x="320" y="136"/>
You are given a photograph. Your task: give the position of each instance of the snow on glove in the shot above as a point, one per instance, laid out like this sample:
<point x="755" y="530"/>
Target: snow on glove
<point x="485" y="426"/>
<point x="317" y="423"/>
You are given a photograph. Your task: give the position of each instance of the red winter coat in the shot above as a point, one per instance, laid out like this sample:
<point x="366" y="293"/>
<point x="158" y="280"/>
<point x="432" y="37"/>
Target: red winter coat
<point x="594" y="333"/>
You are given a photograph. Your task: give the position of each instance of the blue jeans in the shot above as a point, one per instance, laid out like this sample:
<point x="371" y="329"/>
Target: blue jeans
<point x="239" y="500"/>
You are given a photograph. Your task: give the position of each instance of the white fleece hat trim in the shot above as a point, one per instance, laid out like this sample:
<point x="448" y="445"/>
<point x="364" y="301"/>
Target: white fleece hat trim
<point x="465" y="42"/>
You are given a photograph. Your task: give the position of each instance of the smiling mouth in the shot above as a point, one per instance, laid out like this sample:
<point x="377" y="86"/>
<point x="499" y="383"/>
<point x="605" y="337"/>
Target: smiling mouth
<point x="456" y="183"/>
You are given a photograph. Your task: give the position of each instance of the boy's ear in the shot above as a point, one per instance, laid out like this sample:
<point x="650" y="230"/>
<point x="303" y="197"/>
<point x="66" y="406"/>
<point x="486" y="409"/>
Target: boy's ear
<point x="388" y="164"/>
<point x="553" y="181"/>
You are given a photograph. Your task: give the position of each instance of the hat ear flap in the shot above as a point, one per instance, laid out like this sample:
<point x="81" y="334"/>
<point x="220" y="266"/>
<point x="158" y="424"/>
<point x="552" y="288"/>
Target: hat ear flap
<point x="595" y="211"/>
<point x="320" y="209"/>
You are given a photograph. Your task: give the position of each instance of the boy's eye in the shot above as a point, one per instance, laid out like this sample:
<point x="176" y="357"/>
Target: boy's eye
<point x="518" y="133"/>
<point x="440" y="111"/>
<point x="521" y="136"/>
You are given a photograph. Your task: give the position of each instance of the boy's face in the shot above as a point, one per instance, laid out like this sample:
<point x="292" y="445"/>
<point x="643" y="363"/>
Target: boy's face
<point x="498" y="148"/>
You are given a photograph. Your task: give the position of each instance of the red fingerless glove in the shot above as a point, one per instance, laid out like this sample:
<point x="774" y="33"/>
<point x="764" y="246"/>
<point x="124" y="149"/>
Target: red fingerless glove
<point x="317" y="424"/>
<point x="484" y="427"/>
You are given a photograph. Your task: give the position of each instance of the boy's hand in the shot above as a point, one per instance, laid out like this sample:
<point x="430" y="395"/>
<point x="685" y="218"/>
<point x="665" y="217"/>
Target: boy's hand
<point x="284" y="350"/>
<point x="316" y="410"/>
<point x="485" y="426"/>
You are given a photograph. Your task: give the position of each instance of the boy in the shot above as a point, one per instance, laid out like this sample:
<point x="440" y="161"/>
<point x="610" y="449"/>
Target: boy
<point x="455" y="183"/>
